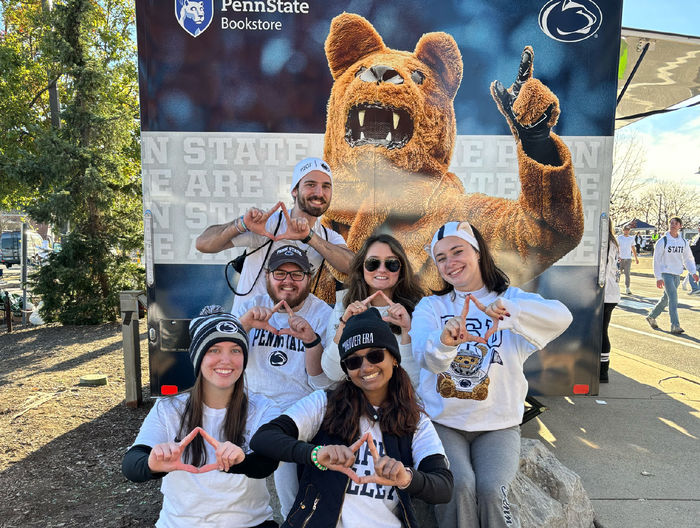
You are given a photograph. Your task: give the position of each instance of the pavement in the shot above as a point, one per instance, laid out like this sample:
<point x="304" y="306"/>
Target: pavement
<point x="636" y="444"/>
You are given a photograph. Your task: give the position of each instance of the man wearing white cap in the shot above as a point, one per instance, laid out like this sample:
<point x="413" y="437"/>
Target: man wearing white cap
<point x="312" y="189"/>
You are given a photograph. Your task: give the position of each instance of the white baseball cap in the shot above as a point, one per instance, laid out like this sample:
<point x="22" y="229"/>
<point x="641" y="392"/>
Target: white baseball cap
<point x="308" y="165"/>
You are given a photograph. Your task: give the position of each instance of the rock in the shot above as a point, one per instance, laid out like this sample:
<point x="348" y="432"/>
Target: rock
<point x="546" y="493"/>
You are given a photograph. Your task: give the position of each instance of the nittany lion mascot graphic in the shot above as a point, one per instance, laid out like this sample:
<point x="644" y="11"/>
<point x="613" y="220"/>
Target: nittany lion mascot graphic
<point x="468" y="378"/>
<point x="390" y="135"/>
<point x="194" y="16"/>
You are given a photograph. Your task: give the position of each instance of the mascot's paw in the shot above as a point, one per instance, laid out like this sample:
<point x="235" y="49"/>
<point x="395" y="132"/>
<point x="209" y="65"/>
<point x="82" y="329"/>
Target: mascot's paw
<point x="536" y="103"/>
<point x="530" y="108"/>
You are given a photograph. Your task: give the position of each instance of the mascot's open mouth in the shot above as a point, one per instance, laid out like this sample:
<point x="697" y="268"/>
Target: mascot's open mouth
<point x="375" y="124"/>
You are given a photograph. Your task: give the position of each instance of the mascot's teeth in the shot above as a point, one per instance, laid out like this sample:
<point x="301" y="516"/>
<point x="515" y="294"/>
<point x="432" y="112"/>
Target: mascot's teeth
<point x="388" y="136"/>
<point x="361" y="117"/>
<point x="362" y="135"/>
<point x="396" y="119"/>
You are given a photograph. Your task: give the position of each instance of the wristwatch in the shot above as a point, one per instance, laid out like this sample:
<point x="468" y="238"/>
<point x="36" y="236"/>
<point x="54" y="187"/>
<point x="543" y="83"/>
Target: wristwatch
<point x="306" y="239"/>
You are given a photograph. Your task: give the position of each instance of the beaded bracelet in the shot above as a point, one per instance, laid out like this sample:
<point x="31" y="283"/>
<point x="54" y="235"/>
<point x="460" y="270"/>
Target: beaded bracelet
<point x="237" y="226"/>
<point x="314" y="458"/>
<point x="245" y="227"/>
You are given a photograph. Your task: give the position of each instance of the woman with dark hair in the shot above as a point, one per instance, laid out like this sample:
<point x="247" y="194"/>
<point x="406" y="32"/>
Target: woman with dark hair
<point x="473" y="337"/>
<point x="612" y="297"/>
<point x="381" y="265"/>
<point x="197" y="442"/>
<point x="370" y="431"/>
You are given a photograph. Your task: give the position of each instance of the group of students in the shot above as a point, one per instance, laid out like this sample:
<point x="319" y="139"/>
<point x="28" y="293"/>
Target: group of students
<point x="418" y="397"/>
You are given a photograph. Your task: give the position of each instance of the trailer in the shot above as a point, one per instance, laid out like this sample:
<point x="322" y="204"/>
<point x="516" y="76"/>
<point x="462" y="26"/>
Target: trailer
<point x="234" y="93"/>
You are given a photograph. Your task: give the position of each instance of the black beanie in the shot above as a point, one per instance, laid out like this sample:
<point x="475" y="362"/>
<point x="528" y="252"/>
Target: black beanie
<point x="207" y="330"/>
<point x="367" y="330"/>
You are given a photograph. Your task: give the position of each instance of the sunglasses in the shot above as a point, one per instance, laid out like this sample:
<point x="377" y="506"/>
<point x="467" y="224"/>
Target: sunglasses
<point x="296" y="276"/>
<point x="373" y="356"/>
<point x="391" y="264"/>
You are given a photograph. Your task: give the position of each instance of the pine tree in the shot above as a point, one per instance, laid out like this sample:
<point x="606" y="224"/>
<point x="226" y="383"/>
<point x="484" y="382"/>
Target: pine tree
<point x="85" y="174"/>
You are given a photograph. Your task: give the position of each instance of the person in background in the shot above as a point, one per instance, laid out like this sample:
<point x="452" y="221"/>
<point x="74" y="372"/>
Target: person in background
<point x="198" y="442"/>
<point x="625" y="243"/>
<point x="671" y="254"/>
<point x="366" y="447"/>
<point x="612" y="297"/>
<point x="472" y="339"/>
<point x="638" y="243"/>
<point x="380" y="265"/>
<point x="695" y="248"/>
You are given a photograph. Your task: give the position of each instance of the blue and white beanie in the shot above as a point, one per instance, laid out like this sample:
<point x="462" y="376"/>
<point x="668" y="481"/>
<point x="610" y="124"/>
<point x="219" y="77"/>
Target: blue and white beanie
<point x="211" y="328"/>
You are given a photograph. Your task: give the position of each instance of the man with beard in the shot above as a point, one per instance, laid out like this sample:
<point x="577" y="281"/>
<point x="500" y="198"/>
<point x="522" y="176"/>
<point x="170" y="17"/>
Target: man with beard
<point x="312" y="189"/>
<point x="284" y="358"/>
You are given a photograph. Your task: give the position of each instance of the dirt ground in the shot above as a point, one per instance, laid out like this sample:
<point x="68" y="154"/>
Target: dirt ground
<point x="61" y="443"/>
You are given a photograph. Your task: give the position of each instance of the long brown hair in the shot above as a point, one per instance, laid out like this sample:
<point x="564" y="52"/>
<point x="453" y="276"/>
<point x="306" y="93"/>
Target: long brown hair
<point x="611" y="235"/>
<point x="495" y="279"/>
<point x="234" y="421"/>
<point x="398" y="414"/>
<point x="406" y="291"/>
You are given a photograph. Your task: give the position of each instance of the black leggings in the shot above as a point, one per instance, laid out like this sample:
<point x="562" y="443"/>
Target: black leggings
<point x="607" y="312"/>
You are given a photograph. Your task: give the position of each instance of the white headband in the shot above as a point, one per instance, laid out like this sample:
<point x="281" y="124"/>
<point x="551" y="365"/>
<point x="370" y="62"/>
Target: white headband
<point x="457" y="229"/>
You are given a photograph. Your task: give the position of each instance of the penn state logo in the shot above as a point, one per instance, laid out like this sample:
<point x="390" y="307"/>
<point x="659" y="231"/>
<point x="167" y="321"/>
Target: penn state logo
<point x="194" y="16"/>
<point x="570" y="20"/>
<point x="227" y="327"/>
<point x="278" y="358"/>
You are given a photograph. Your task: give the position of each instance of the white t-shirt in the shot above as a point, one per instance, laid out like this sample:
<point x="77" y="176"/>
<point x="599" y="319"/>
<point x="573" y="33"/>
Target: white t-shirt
<point x="474" y="387"/>
<point x="671" y="255"/>
<point x="626" y="243"/>
<point x="368" y="504"/>
<point x="276" y="364"/>
<point x="254" y="262"/>
<point x="213" y="499"/>
<point x="330" y="361"/>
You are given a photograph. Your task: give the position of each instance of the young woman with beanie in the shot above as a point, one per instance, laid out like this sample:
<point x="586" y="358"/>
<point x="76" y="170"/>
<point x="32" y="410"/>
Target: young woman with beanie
<point x="198" y="442"/>
<point x="473" y="337"/>
<point x="381" y="265"/>
<point x="370" y="432"/>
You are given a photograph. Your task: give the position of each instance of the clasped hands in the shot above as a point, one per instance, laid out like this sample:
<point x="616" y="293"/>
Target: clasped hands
<point x="455" y="330"/>
<point x="255" y="221"/>
<point x="167" y="457"/>
<point x="387" y="471"/>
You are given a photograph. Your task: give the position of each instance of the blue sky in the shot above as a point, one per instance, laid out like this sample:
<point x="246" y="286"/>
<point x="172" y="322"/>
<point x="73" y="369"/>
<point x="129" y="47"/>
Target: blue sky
<point x="673" y="139"/>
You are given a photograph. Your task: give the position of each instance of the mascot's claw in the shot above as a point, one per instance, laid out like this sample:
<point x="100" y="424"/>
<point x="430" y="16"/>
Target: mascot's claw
<point x="530" y="108"/>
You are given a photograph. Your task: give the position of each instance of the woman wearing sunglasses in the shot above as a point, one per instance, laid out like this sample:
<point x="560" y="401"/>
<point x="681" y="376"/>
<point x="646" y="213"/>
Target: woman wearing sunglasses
<point x="473" y="337"/>
<point x="365" y="447"/>
<point x="380" y="276"/>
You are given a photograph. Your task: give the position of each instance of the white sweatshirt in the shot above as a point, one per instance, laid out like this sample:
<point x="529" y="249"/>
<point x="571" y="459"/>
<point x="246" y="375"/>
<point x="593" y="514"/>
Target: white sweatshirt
<point x="330" y="361"/>
<point x="671" y="256"/>
<point x="277" y="364"/>
<point x="474" y="387"/>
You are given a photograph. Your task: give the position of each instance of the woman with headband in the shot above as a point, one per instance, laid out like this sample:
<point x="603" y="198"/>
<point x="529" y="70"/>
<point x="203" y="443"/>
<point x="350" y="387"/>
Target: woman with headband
<point x="473" y="337"/>
<point x="380" y="276"/>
